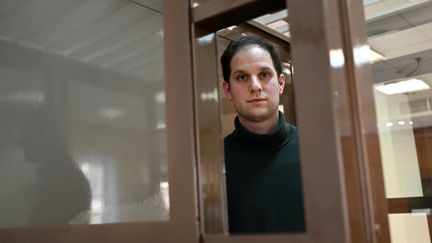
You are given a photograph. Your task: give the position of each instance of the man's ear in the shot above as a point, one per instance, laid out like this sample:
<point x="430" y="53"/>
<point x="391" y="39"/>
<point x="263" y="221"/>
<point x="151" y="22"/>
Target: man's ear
<point x="281" y="82"/>
<point x="227" y="90"/>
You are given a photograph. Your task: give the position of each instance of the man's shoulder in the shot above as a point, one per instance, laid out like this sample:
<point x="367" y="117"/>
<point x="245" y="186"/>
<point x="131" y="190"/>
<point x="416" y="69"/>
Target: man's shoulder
<point x="229" y="138"/>
<point x="290" y="126"/>
<point x="292" y="131"/>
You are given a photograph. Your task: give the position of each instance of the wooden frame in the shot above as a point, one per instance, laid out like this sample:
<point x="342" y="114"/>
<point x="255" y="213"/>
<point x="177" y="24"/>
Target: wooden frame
<point x="365" y="135"/>
<point x="214" y="15"/>
<point x="180" y="123"/>
<point x="128" y="232"/>
<point x="209" y="140"/>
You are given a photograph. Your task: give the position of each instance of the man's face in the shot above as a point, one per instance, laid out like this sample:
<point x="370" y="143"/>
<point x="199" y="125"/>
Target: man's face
<point x="254" y="86"/>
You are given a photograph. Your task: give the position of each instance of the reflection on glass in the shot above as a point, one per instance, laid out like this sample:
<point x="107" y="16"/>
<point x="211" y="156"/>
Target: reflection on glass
<point x="82" y="103"/>
<point x="399" y="34"/>
<point x="398" y="151"/>
<point x="196" y="3"/>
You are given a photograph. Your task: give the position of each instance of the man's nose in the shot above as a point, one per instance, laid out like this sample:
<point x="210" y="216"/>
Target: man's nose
<point x="255" y="84"/>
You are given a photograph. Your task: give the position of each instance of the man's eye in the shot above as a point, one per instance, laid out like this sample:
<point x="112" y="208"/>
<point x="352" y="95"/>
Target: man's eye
<point x="265" y="74"/>
<point x="241" y="77"/>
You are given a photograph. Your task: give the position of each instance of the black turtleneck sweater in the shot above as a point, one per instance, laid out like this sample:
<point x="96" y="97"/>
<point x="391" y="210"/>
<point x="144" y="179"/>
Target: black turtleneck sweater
<point x="263" y="180"/>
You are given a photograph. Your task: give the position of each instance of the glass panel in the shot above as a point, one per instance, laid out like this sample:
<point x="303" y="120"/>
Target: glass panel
<point x="82" y="103"/>
<point x="400" y="39"/>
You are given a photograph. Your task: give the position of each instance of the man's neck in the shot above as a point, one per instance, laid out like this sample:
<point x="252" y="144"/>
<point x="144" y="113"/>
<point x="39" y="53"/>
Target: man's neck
<point x="263" y="127"/>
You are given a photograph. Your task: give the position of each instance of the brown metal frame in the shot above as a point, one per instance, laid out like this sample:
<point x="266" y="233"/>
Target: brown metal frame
<point x="363" y="120"/>
<point x="209" y="139"/>
<point x="128" y="232"/>
<point x="181" y="144"/>
<point x="214" y="15"/>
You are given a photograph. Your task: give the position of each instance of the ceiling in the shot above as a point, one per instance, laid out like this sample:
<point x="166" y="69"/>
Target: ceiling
<point x="121" y="35"/>
<point x="107" y="54"/>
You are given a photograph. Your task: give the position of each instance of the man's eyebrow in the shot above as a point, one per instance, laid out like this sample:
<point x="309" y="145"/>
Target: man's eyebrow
<point x="266" y="68"/>
<point x="239" y="71"/>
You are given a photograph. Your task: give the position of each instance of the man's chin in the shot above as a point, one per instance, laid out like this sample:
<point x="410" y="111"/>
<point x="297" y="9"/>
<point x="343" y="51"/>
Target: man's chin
<point x="258" y="116"/>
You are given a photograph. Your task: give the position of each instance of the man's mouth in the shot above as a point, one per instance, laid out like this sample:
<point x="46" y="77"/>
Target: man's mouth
<point x="257" y="100"/>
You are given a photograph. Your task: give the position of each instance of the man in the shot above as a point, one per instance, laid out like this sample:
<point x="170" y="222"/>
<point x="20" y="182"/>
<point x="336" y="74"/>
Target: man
<point x="261" y="155"/>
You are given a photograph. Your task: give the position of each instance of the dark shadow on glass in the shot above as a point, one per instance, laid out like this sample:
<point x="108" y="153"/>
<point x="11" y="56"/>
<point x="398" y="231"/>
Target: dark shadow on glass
<point x="61" y="190"/>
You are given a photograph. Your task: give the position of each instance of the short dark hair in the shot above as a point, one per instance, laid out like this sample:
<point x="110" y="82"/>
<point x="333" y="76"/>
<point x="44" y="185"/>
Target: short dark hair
<point x="240" y="44"/>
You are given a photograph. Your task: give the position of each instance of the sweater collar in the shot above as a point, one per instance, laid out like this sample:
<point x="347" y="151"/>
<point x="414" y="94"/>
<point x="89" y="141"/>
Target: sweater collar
<point x="262" y="143"/>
